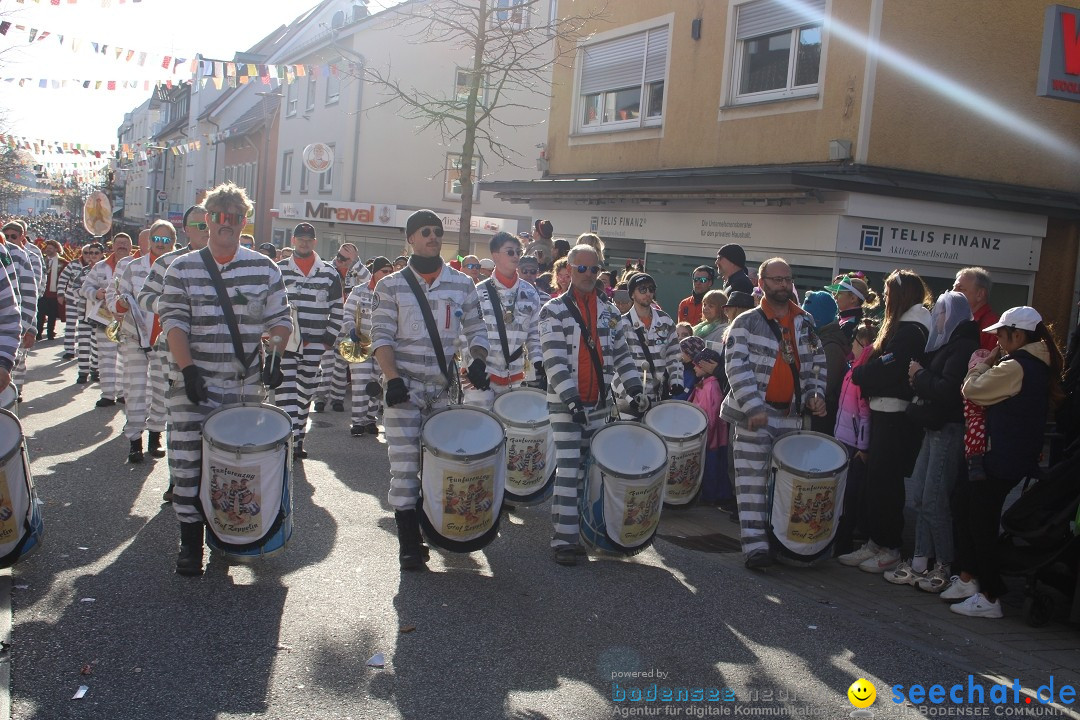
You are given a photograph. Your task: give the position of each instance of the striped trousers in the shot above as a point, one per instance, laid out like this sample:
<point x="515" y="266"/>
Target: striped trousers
<point x="87" y="348"/>
<point x="365" y="408"/>
<point x="185" y="441"/>
<point x="294" y="394"/>
<point x="572" y="443"/>
<point x="145" y="406"/>
<point x="753" y="448"/>
<point x="71" y="329"/>
<point x="108" y="364"/>
<point x="333" y="377"/>
<point x="402" y="423"/>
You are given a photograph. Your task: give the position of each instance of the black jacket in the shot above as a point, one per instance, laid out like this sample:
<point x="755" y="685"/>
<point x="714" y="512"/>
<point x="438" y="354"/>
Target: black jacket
<point x="887" y="374"/>
<point x="739" y="281"/>
<point x="938" y="384"/>
<point x="836" y="347"/>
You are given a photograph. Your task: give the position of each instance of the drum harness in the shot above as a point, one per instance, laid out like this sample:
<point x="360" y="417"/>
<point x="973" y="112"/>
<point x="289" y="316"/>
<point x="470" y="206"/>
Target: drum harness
<point x="433" y="335"/>
<point x="244" y="360"/>
<point x="500" y="322"/>
<point x="662" y="392"/>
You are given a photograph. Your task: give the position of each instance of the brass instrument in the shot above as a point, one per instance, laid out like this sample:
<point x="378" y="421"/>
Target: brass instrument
<point x="113" y="330"/>
<point x="359" y="351"/>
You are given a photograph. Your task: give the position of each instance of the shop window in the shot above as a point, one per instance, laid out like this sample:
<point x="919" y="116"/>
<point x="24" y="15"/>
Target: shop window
<point x="777" y="50"/>
<point x="622" y="82"/>
<point x="326" y="177"/>
<point x="286" y="171"/>
<point x="452" y="186"/>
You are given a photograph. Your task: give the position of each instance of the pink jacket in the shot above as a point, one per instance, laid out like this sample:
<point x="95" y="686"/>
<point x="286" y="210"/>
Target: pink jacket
<point x="707" y="396"/>
<point x="853" y="412"/>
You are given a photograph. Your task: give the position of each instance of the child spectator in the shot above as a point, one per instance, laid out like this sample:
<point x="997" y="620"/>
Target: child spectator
<point x="688" y="348"/>
<point x="715" y="487"/>
<point x="684" y="330"/>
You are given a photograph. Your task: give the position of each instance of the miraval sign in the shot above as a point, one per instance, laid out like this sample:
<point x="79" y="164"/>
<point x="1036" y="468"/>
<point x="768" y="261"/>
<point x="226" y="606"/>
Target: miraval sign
<point x="349" y="213"/>
<point x="1059" y="67"/>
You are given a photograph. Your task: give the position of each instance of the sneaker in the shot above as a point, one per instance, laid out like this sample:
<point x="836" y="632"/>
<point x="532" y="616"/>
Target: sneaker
<point x="936" y="580"/>
<point x="903" y="574"/>
<point x="885" y="559"/>
<point x="959" y="589"/>
<point x="857" y="557"/>
<point x="105" y="402"/>
<point x="357" y="430"/>
<point x="338" y="406"/>
<point x="566" y="555"/>
<point x="978" y="606"/>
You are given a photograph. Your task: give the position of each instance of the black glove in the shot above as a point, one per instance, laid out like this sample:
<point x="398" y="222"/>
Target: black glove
<point x="541" y="375"/>
<point x="194" y="385"/>
<point x="396" y="392"/>
<point x="272" y="376"/>
<point x="639" y="403"/>
<point x="374" y="389"/>
<point x="478" y="376"/>
<point x="677" y="389"/>
<point x="577" y="413"/>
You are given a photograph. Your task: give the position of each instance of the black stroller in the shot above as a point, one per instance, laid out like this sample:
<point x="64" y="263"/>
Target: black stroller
<point x="1041" y="543"/>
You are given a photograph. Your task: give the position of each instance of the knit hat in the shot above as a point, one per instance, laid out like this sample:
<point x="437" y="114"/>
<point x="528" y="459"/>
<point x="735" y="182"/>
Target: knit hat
<point x="378" y="263"/>
<point x="733" y="253"/>
<point x="304" y="229"/>
<point x="419" y="219"/>
<point x="639" y="279"/>
<point x="821" y="306"/>
<point x="707" y="355"/>
<point x="691" y="346"/>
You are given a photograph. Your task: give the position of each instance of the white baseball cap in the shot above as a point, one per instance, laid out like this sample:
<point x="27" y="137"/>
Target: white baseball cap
<point x="487" y="264"/>
<point x="1018" y="318"/>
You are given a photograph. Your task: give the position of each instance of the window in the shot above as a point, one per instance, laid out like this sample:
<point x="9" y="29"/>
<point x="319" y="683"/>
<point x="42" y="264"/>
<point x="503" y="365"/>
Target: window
<point x="303" y="178"/>
<point x="291" y="93"/>
<point x="333" y="82"/>
<point x="452" y="187"/>
<point x="286" y="171"/>
<point x="514" y="14"/>
<point x="777" y="50"/>
<point x="462" y="85"/>
<point x="310" y="93"/>
<point x="622" y="82"/>
<point x="326" y="178"/>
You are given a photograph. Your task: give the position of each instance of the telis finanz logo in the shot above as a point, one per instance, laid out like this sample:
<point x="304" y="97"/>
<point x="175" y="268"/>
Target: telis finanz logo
<point x="594" y="223"/>
<point x="870" y="240"/>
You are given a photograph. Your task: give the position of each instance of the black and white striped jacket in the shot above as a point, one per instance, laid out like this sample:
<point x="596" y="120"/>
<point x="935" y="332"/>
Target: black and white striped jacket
<point x="24" y="280"/>
<point x="10" y="323"/>
<point x="317" y="300"/>
<point x="663" y="345"/>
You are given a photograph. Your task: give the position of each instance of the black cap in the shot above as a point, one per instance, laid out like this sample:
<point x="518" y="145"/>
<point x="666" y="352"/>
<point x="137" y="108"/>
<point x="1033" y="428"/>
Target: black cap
<point x="733" y="253"/>
<point x="306" y="229"/>
<point x="639" y="279"/>
<point x="378" y="263"/>
<point x="419" y="219"/>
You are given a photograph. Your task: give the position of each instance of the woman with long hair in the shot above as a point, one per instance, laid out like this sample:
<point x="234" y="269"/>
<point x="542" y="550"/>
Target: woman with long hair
<point x="895" y="438"/>
<point x="1019" y="384"/>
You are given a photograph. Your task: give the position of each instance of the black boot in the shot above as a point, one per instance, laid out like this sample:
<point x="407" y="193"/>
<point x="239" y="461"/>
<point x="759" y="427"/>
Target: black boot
<point x="135" y="454"/>
<point x="413" y="553"/>
<point x="189" y="561"/>
<point x="95" y="376"/>
<point x="298" y="451"/>
<point x="153" y="444"/>
<point x="80" y="379"/>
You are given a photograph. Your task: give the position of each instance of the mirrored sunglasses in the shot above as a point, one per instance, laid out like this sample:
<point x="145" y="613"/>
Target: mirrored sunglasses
<point x="197" y="226"/>
<point x="161" y="239"/>
<point x="593" y="269"/>
<point x="226" y="218"/>
<point x="702" y="280"/>
<point x="471" y="266"/>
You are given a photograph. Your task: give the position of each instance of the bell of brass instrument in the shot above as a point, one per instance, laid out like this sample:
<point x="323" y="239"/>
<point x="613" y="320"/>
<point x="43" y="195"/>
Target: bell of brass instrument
<point x="359" y="351"/>
<point x="112" y="331"/>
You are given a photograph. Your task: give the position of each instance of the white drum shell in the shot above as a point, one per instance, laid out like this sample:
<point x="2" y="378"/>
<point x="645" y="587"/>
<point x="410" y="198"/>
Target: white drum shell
<point x="18" y="496"/>
<point x="684" y="427"/>
<point x="808" y="477"/>
<point x="530" y="445"/>
<point x="9" y="399"/>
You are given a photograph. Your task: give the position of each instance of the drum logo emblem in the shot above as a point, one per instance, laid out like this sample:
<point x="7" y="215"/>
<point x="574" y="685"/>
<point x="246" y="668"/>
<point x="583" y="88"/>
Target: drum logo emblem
<point x="812" y="510"/>
<point x="641" y="512"/>
<point x="236" y="498"/>
<point x="684" y="475"/>
<point x="526" y="462"/>
<point x="467" y="500"/>
<point x="8" y="525"/>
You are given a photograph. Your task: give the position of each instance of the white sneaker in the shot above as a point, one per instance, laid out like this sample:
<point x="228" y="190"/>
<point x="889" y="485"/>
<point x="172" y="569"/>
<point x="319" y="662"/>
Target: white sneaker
<point x="978" y="606"/>
<point x="935" y="580"/>
<point x="959" y="589"/>
<point x="854" y="558"/>
<point x="885" y="559"/>
<point x="903" y="574"/>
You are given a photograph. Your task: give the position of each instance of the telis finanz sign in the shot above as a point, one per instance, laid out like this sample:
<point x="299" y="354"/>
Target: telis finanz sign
<point x="1059" y="67"/>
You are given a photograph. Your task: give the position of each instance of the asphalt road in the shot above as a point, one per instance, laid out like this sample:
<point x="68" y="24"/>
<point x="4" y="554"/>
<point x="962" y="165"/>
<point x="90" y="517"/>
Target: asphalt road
<point x="503" y="633"/>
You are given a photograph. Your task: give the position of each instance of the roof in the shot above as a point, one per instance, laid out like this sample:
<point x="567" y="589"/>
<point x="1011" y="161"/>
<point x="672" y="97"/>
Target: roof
<point x="258" y="115"/>
<point x="754" y="181"/>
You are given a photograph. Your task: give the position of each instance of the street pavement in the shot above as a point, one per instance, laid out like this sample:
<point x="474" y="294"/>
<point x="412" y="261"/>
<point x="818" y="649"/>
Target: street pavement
<point x="502" y="633"/>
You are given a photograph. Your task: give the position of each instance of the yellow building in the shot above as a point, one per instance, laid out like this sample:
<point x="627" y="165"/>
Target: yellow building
<point x="840" y="134"/>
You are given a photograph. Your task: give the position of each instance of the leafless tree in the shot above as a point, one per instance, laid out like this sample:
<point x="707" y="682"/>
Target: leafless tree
<point x="514" y="45"/>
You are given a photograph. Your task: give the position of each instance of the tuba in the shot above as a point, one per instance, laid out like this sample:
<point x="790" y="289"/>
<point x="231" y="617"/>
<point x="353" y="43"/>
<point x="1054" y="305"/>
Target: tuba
<point x="360" y="350"/>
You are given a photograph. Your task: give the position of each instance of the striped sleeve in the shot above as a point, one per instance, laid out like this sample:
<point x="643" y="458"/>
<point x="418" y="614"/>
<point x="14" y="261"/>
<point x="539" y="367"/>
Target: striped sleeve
<point x="740" y="370"/>
<point x="10" y="323"/>
<point x="472" y="322"/>
<point x="556" y="350"/>
<point x="672" y="354"/>
<point x="622" y="358"/>
<point x="27" y="280"/>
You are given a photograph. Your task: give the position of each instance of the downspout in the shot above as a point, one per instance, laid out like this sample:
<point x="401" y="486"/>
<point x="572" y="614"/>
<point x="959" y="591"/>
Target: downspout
<point x="356" y="129"/>
<point x="213" y="176"/>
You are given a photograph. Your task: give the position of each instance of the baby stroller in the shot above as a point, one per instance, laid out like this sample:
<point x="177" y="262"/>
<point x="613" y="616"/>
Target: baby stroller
<point x="1041" y="541"/>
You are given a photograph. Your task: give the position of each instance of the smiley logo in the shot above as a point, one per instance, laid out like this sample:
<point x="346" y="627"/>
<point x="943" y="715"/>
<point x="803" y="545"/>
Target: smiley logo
<point x="862" y="693"/>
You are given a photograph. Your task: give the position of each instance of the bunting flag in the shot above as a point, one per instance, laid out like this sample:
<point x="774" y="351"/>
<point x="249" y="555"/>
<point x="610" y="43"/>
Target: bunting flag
<point x="103" y="3"/>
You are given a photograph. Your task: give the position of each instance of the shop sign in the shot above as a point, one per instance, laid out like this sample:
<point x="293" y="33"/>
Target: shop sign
<point x="341" y="212"/>
<point x="479" y="224"/>
<point x="1059" y="66"/>
<point x="936" y="244"/>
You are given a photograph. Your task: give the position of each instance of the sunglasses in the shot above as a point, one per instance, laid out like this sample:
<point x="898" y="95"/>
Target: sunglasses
<point x="12" y="236"/>
<point x="161" y="239"/>
<point x="702" y="280"/>
<point x="341" y="258"/>
<point x="592" y="269"/>
<point x="226" y="218"/>
<point x="426" y="232"/>
<point x="511" y="252"/>
<point x="249" y="246"/>
<point x="197" y="226"/>
<point x="471" y="266"/>
<point x="646" y="288"/>
<point x="528" y="271"/>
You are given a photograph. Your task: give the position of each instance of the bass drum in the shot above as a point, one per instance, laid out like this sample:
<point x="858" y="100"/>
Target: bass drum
<point x="620" y="505"/>
<point x="683" y="426"/>
<point x="807" y="479"/>
<point x="530" y="447"/>
<point x="9" y="399"/>
<point x="246" y="489"/>
<point x="462" y="478"/>
<point x="21" y="526"/>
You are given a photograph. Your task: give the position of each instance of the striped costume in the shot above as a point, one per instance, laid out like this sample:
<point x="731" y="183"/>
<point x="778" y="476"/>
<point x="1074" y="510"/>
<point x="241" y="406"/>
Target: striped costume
<point x="316" y="299"/>
<point x="364" y="406"/>
<point x="397" y="322"/>
<point x="333" y="370"/>
<point x="190" y="303"/>
<point x="663" y="345"/>
<point x="561" y="334"/>
<point x="522" y="302"/>
<point x="101" y="275"/>
<point x="24" y="281"/>
<point x="37" y="261"/>
<point x="10" y="323"/>
<point x="66" y="289"/>
<point x="751" y="351"/>
<point x="144" y="369"/>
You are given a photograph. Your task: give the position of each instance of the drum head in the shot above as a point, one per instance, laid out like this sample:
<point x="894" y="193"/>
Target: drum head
<point x="9" y="397"/>
<point x="628" y="450"/>
<point x="462" y="432"/>
<point x="677" y="419"/>
<point x="523" y="407"/>
<point x="251" y="427"/>
<point x="809" y="454"/>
